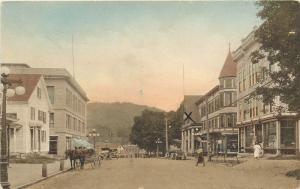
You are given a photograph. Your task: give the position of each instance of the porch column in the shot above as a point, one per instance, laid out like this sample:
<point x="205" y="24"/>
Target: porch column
<point x="278" y="138"/>
<point x="182" y="140"/>
<point x="15" y="140"/>
<point x="263" y="135"/>
<point x="239" y="133"/>
<point x="244" y="145"/>
<point x="254" y="136"/>
<point x="34" y="139"/>
<point x="189" y="140"/>
<point x="225" y="145"/>
<point x="193" y="141"/>
<point x="298" y="138"/>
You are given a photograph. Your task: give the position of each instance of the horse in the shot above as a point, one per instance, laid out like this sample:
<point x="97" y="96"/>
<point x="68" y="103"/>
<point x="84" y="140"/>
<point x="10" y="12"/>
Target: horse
<point x="73" y="157"/>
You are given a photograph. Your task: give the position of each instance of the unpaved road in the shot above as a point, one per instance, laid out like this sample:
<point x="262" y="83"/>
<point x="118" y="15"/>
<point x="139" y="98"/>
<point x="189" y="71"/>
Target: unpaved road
<point x="171" y="174"/>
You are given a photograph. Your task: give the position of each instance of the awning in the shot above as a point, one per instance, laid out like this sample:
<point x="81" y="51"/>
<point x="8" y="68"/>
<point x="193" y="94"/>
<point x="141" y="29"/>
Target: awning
<point x="81" y="143"/>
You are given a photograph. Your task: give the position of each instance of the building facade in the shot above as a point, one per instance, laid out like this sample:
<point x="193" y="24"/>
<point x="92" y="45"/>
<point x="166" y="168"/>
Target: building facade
<point x="218" y="111"/>
<point x="271" y="125"/>
<point x="30" y="133"/>
<point x="67" y="119"/>
<point x="191" y="124"/>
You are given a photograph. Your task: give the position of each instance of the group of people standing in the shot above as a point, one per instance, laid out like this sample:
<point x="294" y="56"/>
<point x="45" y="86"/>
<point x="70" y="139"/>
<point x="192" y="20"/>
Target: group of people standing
<point x="258" y="153"/>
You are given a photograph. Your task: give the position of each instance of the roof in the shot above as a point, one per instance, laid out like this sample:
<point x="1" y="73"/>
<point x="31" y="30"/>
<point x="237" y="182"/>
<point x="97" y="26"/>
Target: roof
<point x="210" y="92"/>
<point x="29" y="82"/>
<point x="189" y="104"/>
<point x="50" y="73"/>
<point x="229" y="67"/>
<point x="14" y="65"/>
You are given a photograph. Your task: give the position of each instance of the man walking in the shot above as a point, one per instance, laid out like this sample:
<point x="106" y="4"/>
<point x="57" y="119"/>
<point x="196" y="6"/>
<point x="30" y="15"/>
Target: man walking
<point x="200" y="157"/>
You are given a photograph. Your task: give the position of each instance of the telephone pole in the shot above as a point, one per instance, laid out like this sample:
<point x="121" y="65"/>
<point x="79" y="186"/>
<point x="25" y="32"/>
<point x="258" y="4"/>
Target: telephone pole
<point x="167" y="139"/>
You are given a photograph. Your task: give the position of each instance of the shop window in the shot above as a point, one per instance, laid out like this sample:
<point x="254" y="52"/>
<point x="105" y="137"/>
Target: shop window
<point x="249" y="136"/>
<point x="288" y="134"/>
<point x="270" y="135"/>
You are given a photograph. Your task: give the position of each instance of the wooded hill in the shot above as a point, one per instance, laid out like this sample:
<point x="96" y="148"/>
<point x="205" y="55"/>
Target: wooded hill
<point x="114" y="120"/>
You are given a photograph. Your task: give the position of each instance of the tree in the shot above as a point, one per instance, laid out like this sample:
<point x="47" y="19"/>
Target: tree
<point x="147" y="128"/>
<point x="151" y="125"/>
<point x="279" y="36"/>
<point x="175" y="120"/>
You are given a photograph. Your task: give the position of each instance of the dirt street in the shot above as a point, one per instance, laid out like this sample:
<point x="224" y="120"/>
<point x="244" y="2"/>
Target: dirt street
<point x="171" y="174"/>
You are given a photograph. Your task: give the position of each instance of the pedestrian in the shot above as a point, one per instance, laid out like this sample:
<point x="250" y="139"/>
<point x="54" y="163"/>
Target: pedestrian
<point x="200" y="157"/>
<point x="257" y="150"/>
<point x="82" y="157"/>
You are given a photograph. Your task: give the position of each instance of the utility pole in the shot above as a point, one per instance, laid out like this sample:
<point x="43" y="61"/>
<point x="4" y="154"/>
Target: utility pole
<point x="167" y="140"/>
<point x="207" y="133"/>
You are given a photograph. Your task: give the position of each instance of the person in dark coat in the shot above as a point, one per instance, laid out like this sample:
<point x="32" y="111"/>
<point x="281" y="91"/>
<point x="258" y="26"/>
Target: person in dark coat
<point x="200" y="157"/>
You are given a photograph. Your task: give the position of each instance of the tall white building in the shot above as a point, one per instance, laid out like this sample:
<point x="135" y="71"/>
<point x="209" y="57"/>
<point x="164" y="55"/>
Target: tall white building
<point x="258" y="122"/>
<point x="30" y="132"/>
<point x="67" y="120"/>
<point x="217" y="109"/>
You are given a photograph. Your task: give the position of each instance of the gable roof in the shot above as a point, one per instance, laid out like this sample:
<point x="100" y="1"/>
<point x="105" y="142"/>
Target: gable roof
<point x="229" y="67"/>
<point x="29" y="82"/>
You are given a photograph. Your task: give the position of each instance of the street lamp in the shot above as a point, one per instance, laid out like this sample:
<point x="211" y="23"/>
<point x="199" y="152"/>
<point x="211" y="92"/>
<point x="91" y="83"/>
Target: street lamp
<point x="94" y="134"/>
<point x="158" y="141"/>
<point x="167" y="139"/>
<point x="6" y="92"/>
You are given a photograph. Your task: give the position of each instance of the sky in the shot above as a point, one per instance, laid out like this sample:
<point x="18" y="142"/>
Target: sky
<point x="149" y="53"/>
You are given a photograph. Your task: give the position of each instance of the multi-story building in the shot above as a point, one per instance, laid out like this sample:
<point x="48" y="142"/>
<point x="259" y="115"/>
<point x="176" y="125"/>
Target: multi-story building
<point x="30" y="132"/>
<point x="277" y="131"/>
<point x="217" y="109"/>
<point x="191" y="124"/>
<point x="67" y="119"/>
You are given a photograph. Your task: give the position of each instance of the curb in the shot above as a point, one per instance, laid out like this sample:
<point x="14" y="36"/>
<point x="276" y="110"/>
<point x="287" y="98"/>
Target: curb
<point x="40" y="180"/>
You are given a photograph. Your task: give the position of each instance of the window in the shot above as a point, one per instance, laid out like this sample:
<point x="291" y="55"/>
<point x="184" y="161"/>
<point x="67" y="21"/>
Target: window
<point x="74" y="102"/>
<point x="68" y="143"/>
<point x="53" y="144"/>
<point x="288" y="133"/>
<point x="222" y="121"/>
<point x="44" y="136"/>
<point x="83" y="127"/>
<point x="68" y="98"/>
<point x="74" y="124"/>
<point x="39" y="93"/>
<point x="44" y="117"/>
<point x="40" y="115"/>
<point x="227" y="99"/>
<point x="79" y="126"/>
<point x="32" y="113"/>
<point x="270" y="135"/>
<point x="230" y="120"/>
<point x="68" y="121"/>
<point x="31" y="139"/>
<point x="51" y="93"/>
<point x="51" y="120"/>
<point x="249" y="136"/>
<point x="227" y="83"/>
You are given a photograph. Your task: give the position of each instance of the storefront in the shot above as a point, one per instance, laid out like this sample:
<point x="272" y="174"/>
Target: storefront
<point x="276" y="136"/>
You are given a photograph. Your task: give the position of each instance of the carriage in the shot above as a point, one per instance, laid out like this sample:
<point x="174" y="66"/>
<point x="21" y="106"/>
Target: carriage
<point x="81" y="153"/>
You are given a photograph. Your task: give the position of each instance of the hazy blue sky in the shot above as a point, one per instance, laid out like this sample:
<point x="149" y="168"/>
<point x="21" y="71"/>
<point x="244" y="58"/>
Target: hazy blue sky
<point x="128" y="51"/>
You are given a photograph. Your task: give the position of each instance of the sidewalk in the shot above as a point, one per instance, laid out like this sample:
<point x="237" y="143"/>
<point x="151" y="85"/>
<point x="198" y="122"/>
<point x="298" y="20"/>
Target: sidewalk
<point x="21" y="174"/>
